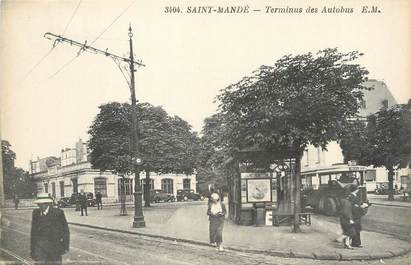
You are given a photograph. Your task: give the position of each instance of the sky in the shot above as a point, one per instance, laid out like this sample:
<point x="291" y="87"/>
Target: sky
<point x="189" y="58"/>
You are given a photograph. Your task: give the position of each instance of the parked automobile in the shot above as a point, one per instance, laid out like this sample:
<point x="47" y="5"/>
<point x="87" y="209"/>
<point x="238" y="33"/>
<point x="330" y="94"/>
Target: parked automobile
<point x="71" y="201"/>
<point x="64" y="202"/>
<point x="161" y="196"/>
<point x="185" y="195"/>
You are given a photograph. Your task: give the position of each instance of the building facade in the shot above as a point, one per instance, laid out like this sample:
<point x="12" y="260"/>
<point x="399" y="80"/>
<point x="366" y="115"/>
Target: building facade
<point x="72" y="172"/>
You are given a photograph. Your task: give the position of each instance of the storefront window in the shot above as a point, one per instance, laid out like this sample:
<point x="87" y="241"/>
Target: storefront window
<point x="100" y="185"/>
<point x="75" y="186"/>
<point x="127" y="185"/>
<point x="186" y="184"/>
<point x="143" y="184"/>
<point x="53" y="189"/>
<point x="61" y="189"/>
<point x="167" y="185"/>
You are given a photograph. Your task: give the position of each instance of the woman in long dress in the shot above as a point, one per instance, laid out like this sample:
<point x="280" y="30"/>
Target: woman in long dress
<point x="216" y="212"/>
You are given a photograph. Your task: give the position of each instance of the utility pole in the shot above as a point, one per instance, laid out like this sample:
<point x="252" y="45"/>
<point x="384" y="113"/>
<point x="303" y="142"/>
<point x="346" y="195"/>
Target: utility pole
<point x="134" y="147"/>
<point x="138" y="210"/>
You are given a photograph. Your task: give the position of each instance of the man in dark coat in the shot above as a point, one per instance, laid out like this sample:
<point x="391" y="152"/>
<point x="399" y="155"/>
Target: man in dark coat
<point x="346" y="217"/>
<point x="83" y="202"/>
<point x="50" y="234"/>
<point x="358" y="210"/>
<point x="99" y="200"/>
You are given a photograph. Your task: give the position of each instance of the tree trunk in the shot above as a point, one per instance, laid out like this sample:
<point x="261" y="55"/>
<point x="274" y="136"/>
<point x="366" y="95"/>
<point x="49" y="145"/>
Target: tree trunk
<point x="390" y="184"/>
<point x="147" y="190"/>
<point x="297" y="195"/>
<point x="123" y="210"/>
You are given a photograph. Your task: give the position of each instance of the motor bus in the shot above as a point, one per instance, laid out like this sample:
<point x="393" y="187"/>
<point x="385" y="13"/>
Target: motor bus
<point x="323" y="187"/>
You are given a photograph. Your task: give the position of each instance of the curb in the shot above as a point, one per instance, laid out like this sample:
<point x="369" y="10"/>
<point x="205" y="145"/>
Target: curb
<point x="284" y="254"/>
<point x="390" y="205"/>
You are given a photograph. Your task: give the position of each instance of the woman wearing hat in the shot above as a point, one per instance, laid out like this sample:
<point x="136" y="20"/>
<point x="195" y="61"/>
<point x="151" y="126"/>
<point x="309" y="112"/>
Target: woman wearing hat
<point x="216" y="212"/>
<point x="50" y="234"/>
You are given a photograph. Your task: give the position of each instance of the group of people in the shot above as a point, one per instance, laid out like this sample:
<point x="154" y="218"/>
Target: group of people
<point x="50" y="234"/>
<point x="82" y="202"/>
<point x="351" y="213"/>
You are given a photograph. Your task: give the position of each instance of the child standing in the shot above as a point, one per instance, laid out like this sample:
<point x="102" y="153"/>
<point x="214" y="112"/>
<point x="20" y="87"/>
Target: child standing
<point x="216" y="212"/>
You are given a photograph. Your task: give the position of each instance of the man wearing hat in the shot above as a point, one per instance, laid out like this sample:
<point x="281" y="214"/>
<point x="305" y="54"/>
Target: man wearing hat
<point x="50" y="234"/>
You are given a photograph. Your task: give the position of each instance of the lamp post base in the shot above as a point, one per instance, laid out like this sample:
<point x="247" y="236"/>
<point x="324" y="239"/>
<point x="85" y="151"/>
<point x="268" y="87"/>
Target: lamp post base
<point x="138" y="210"/>
<point x="139" y="222"/>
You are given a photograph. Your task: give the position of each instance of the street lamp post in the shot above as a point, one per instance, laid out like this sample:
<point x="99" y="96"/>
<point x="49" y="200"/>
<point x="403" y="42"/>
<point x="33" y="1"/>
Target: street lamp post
<point x="138" y="202"/>
<point x="136" y="160"/>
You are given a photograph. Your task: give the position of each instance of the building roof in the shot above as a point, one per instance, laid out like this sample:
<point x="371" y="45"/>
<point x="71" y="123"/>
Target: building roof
<point x="374" y="98"/>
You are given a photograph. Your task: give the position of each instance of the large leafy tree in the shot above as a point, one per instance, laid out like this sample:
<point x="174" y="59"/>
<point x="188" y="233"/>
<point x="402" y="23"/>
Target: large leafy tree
<point x="167" y="144"/>
<point x="16" y="181"/>
<point x="385" y="141"/>
<point x="354" y="143"/>
<point x="300" y="100"/>
<point x="213" y="153"/>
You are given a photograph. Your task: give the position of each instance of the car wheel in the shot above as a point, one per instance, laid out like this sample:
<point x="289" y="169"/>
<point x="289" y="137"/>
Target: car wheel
<point x="202" y="198"/>
<point x="185" y="198"/>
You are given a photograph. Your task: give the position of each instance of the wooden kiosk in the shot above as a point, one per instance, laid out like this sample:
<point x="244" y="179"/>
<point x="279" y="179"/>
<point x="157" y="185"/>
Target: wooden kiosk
<point x="261" y="187"/>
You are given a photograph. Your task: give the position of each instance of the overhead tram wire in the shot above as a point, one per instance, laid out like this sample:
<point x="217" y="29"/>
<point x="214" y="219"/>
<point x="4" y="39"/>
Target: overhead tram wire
<point x="49" y="52"/>
<point x="96" y="39"/>
<point x="71" y="18"/>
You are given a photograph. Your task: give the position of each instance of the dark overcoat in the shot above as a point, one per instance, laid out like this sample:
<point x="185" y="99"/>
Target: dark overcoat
<point x="50" y="236"/>
<point x="345" y="217"/>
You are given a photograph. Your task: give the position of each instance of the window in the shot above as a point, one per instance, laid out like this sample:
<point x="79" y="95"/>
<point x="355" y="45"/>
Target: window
<point x="126" y="184"/>
<point x="186" y="184"/>
<point x="100" y="185"/>
<point x="75" y="185"/>
<point x="61" y="189"/>
<point x="143" y="184"/>
<point x="46" y="187"/>
<point x="370" y="175"/>
<point x="53" y="189"/>
<point x="167" y="185"/>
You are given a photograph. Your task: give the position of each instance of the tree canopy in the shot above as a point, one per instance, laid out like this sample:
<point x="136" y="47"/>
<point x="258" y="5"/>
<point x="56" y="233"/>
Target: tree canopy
<point x="383" y="141"/>
<point x="167" y="144"/>
<point x="16" y="181"/>
<point x="213" y="153"/>
<point x="300" y="100"/>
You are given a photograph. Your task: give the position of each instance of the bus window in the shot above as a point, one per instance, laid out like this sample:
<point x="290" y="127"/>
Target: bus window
<point x="324" y="179"/>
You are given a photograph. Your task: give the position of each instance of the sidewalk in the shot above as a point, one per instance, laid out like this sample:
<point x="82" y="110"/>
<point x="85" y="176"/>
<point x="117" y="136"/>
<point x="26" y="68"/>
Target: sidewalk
<point x="190" y="224"/>
<point x="383" y="200"/>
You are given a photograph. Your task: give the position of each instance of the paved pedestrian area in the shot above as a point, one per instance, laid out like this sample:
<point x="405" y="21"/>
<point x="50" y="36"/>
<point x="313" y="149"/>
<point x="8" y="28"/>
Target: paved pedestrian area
<point x="189" y="223"/>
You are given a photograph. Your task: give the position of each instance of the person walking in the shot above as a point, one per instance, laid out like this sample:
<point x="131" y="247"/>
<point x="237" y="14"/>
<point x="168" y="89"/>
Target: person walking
<point x="216" y="212"/>
<point x="358" y="211"/>
<point x="99" y="201"/>
<point x="346" y="217"/>
<point x="16" y="201"/>
<point x="83" y="202"/>
<point x="50" y="236"/>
